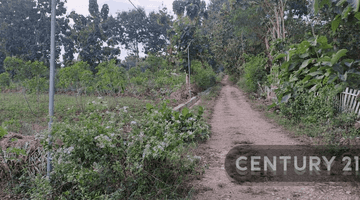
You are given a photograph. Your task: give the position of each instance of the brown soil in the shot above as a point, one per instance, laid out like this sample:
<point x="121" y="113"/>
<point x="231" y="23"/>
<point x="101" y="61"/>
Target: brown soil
<point x="235" y="122"/>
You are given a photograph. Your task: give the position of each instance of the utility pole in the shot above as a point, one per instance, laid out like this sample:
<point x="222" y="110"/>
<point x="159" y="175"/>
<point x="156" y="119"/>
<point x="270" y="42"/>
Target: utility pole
<point x="51" y="87"/>
<point x="189" y="68"/>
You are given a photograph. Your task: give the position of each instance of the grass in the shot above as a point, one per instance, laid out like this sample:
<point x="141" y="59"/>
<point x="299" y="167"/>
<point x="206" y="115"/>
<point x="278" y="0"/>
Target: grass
<point x="325" y="132"/>
<point x="20" y="111"/>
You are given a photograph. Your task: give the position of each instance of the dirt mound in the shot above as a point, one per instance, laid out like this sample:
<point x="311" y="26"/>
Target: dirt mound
<point x="19" y="141"/>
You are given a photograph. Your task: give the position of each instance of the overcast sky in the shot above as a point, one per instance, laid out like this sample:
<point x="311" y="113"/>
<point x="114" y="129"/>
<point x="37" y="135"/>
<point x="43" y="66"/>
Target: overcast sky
<point x="82" y="7"/>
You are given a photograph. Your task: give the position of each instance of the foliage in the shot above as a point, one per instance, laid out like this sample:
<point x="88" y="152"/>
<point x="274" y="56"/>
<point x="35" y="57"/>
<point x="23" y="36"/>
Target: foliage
<point x="110" y="77"/>
<point x="2" y="132"/>
<point x="254" y="71"/>
<point x="98" y="159"/>
<point x="203" y="75"/>
<point x="89" y="33"/>
<point x="311" y="65"/>
<point x="26" y="34"/>
<point x="4" y="80"/>
<point x="76" y="76"/>
<point x="311" y="108"/>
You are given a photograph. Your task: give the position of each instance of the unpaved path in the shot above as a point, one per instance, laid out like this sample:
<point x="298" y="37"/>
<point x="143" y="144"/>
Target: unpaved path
<point x="235" y="122"/>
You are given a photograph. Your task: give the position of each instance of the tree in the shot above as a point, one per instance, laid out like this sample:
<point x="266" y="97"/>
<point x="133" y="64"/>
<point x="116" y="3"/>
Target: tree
<point x="159" y="24"/>
<point x="135" y="27"/>
<point x="96" y="36"/>
<point x="26" y="34"/>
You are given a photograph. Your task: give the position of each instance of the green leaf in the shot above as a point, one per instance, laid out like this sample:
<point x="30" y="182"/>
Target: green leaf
<point x="335" y="58"/>
<point x="316" y="6"/>
<point x="357" y="16"/>
<point x="315" y="73"/>
<point x="335" y="23"/>
<point x="306" y="63"/>
<point x="346" y="12"/>
<point x="272" y="105"/>
<point x="314" y="88"/>
<point x="149" y="106"/>
<point x="341" y="2"/>
<point x="286" y="98"/>
<point x="293" y="78"/>
<point x="320" y="77"/>
<point x="285" y="66"/>
<point x="282" y="55"/>
<point x="304" y="55"/>
<point x="185" y="111"/>
<point x="355" y="4"/>
<point x="326" y="63"/>
<point x="200" y="111"/>
<point x="343" y="77"/>
<point x="2" y="132"/>
<point x="323" y="2"/>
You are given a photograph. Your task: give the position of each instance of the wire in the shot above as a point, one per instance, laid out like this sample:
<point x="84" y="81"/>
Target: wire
<point x="138" y="9"/>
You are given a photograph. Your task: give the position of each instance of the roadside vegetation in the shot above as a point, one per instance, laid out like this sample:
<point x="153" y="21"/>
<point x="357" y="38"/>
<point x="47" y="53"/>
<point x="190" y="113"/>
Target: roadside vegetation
<point x="309" y="71"/>
<point x="115" y="135"/>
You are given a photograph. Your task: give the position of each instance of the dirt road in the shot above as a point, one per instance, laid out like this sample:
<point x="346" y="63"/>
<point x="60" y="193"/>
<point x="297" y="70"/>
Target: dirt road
<point x="234" y="122"/>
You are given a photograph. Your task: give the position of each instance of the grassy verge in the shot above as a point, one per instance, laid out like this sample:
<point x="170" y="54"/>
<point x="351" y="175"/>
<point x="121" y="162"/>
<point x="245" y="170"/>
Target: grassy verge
<point x="339" y="130"/>
<point x="84" y="125"/>
<point x="19" y="111"/>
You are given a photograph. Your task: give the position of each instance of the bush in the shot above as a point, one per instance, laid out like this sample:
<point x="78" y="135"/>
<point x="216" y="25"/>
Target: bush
<point x="254" y="71"/>
<point x="4" y="80"/>
<point x="110" y="77"/>
<point x="98" y="160"/>
<point x="203" y="76"/>
<point x="311" y="108"/>
<point x="75" y="76"/>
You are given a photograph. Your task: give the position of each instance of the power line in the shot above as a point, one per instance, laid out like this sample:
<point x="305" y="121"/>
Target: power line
<point x="138" y="9"/>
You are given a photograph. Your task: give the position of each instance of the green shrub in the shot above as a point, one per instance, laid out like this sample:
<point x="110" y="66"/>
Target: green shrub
<point x="110" y="77"/>
<point x="311" y="108"/>
<point x="75" y="76"/>
<point x="203" y="76"/>
<point x="99" y="160"/>
<point x="21" y="70"/>
<point x="36" y="84"/>
<point x="2" y="132"/>
<point x="254" y="71"/>
<point x="4" y="80"/>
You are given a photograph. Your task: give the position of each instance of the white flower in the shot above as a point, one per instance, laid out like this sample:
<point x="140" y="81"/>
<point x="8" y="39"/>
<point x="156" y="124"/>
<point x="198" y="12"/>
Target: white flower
<point x="70" y="149"/>
<point x="164" y="144"/>
<point x="190" y="132"/>
<point x="133" y="122"/>
<point x="99" y="97"/>
<point x="107" y="127"/>
<point x="93" y="102"/>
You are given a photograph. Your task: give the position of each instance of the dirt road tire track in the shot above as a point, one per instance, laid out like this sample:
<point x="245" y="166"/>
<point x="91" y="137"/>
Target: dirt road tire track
<point x="235" y="122"/>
